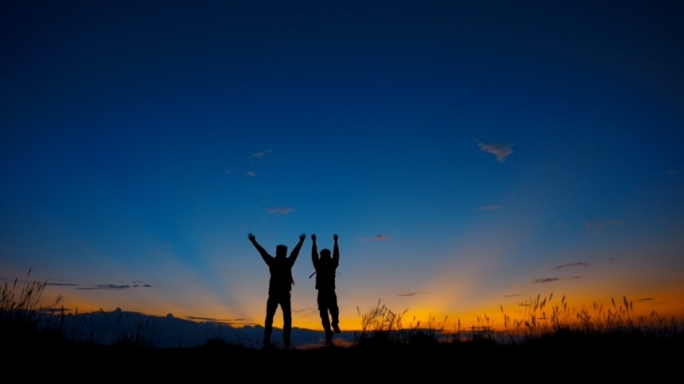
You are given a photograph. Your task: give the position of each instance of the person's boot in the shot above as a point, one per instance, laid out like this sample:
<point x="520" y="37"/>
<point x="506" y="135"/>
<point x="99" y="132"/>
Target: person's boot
<point x="336" y="328"/>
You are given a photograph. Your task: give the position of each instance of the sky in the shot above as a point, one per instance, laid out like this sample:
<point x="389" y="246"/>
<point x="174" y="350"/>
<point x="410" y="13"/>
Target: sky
<point x="469" y="155"/>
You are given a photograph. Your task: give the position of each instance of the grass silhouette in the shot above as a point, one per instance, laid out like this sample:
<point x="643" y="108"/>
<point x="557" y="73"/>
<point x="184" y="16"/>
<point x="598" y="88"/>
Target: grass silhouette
<point x="542" y="332"/>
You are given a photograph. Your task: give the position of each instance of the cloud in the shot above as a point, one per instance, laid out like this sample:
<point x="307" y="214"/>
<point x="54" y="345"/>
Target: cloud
<point x="409" y="294"/>
<point x="109" y="287"/>
<point x="513" y="295"/>
<point x="545" y="280"/>
<point x="227" y="171"/>
<point x="580" y="264"/>
<point x="260" y="154"/>
<point x="106" y="287"/>
<point x="561" y="224"/>
<point x="618" y="258"/>
<point x="488" y="208"/>
<point x="645" y="299"/>
<point x="63" y="284"/>
<point x="501" y="151"/>
<point x="250" y="174"/>
<point x="280" y="211"/>
<point x="598" y="224"/>
<point x="672" y="173"/>
<point x="381" y="237"/>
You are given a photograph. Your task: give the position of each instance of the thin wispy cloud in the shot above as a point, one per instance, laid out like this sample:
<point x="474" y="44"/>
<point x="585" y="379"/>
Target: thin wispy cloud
<point x="227" y="171"/>
<point x="598" y="225"/>
<point x="501" y="151"/>
<point x="561" y="224"/>
<point x="513" y="295"/>
<point x="545" y="280"/>
<point x="250" y="174"/>
<point x="488" y="208"/>
<point x="379" y="237"/>
<point x="111" y="287"/>
<point x="580" y="264"/>
<point x="552" y="279"/>
<point x="280" y="211"/>
<point x="260" y="154"/>
<point x="618" y="258"/>
<point x="645" y="299"/>
<point x="409" y="294"/>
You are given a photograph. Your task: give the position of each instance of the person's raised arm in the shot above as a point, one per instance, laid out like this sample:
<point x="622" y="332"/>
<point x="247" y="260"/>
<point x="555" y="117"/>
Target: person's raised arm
<point x="295" y="251"/>
<point x="314" y="252"/>
<point x="336" y="252"/>
<point x="264" y="255"/>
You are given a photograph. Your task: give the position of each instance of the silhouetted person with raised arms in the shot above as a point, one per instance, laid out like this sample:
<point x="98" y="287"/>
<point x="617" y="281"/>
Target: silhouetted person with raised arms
<point x="279" y="286"/>
<point x="325" y="283"/>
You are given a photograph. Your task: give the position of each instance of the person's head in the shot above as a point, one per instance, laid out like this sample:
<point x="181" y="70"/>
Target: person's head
<point x="281" y="251"/>
<point x="325" y="254"/>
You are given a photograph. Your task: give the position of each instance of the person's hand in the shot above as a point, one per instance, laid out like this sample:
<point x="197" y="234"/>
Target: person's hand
<point x="313" y="237"/>
<point x="335" y="237"/>
<point x="251" y="237"/>
<point x="302" y="237"/>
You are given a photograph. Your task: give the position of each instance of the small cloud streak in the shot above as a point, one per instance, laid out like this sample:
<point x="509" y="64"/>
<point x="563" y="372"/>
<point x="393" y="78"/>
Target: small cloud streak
<point x="280" y="211"/>
<point x="552" y="279"/>
<point x="488" y="208"/>
<point x="409" y="294"/>
<point x="561" y="224"/>
<point x="645" y="299"/>
<point x="250" y="174"/>
<point x="379" y="237"/>
<point x="618" y="258"/>
<point x="109" y="287"/>
<point x="571" y="265"/>
<point x="513" y="295"/>
<point x="227" y="171"/>
<point x="545" y="280"/>
<point x="501" y="151"/>
<point x="598" y="224"/>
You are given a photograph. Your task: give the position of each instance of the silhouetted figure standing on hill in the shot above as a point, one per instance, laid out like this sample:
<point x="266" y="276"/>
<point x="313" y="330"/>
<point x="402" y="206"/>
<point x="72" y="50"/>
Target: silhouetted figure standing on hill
<point x="325" y="283"/>
<point x="279" y="286"/>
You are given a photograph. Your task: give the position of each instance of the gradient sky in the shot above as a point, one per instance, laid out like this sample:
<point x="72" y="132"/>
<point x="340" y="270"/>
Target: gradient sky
<point x="468" y="154"/>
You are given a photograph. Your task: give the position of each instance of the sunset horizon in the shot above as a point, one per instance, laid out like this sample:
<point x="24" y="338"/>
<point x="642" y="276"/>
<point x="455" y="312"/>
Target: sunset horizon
<point x="471" y="156"/>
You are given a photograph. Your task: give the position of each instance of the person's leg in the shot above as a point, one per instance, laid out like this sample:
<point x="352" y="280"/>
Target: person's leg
<point x="334" y="311"/>
<point x="287" y="318"/>
<point x="271" y="306"/>
<point x="323" y="311"/>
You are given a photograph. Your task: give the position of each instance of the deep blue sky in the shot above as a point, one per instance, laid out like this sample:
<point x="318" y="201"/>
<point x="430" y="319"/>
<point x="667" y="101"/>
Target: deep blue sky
<point x="140" y="143"/>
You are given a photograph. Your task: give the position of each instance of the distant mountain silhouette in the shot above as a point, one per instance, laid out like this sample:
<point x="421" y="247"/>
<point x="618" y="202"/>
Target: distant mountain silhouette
<point x="120" y="327"/>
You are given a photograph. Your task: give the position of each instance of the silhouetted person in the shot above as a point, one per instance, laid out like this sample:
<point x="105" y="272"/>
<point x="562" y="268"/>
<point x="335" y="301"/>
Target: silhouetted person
<point x="279" y="286"/>
<point x="325" y="283"/>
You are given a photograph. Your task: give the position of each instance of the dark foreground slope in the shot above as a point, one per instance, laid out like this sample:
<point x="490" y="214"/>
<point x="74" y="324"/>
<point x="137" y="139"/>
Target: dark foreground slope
<point x="573" y="355"/>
